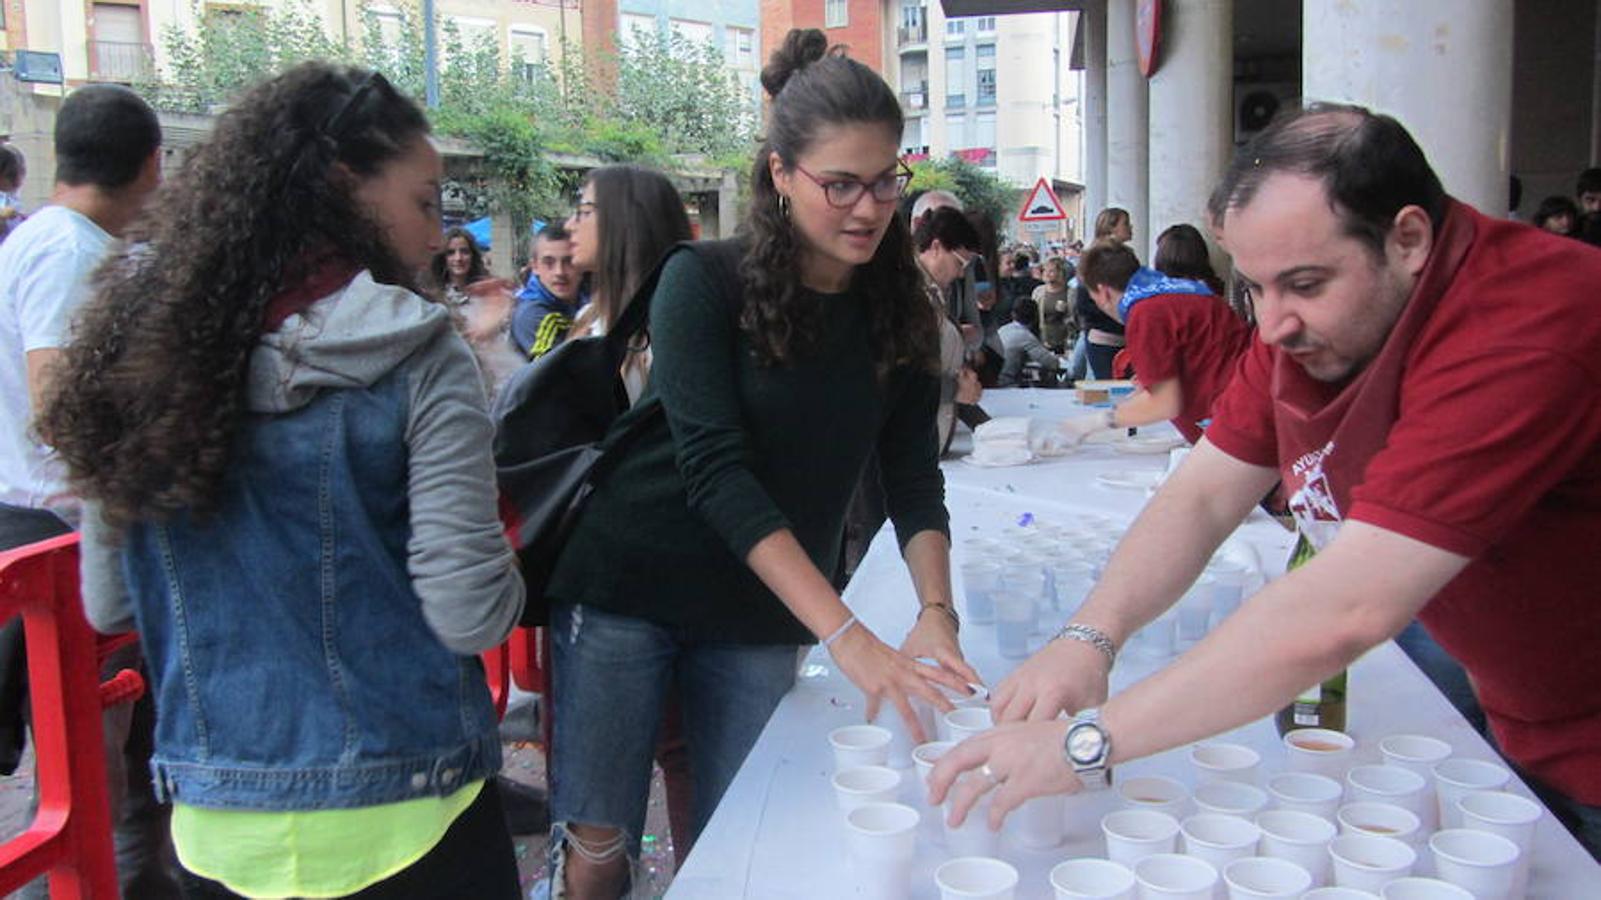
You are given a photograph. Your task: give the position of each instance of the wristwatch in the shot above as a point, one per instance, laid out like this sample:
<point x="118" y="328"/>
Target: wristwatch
<point x="1088" y="746"/>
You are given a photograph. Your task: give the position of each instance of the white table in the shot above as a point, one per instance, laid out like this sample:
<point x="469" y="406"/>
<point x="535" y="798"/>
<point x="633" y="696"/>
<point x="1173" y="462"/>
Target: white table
<point x="777" y="833"/>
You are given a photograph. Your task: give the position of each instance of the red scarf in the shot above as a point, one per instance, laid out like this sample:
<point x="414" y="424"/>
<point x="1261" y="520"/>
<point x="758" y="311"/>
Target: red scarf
<point x="327" y="276"/>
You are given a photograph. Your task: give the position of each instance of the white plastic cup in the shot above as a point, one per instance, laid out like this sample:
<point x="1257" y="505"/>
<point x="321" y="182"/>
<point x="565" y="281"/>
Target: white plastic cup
<point x="1320" y="751"/>
<point x="1338" y="893"/>
<point x="964" y="722"/>
<point x="1265" y="878"/>
<point x="1217" y="839"/>
<point x="1015" y="621"/>
<point x="979" y="699"/>
<point x="1485" y="864"/>
<point x="1388" y="784"/>
<point x="1221" y="761"/>
<point x="1073" y="580"/>
<point x="1415" y="888"/>
<point x="1093" y="879"/>
<point x="924" y="756"/>
<point x="980" y="582"/>
<point x="1306" y="792"/>
<point x="854" y="788"/>
<point x="976" y="878"/>
<point x="882" y="840"/>
<point x="1133" y="834"/>
<point x="1157" y="640"/>
<point x="859" y="745"/>
<point x="1040" y="823"/>
<point x="899" y="753"/>
<point x="1419" y="753"/>
<point x="1169" y="876"/>
<point x="1384" y="820"/>
<point x="1231" y="798"/>
<point x="1455" y="777"/>
<point x="1156" y="792"/>
<point x="1368" y="862"/>
<point x="1509" y="815"/>
<point x="1299" y="837"/>
<point x="973" y="837"/>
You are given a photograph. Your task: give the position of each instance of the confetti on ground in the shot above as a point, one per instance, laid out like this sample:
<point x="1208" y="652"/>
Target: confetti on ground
<point x="1025" y="520"/>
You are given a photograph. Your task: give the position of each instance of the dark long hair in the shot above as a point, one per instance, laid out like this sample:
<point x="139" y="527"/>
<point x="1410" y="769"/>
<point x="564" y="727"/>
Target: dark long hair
<point x="813" y="88"/>
<point x="149" y="397"/>
<point x="639" y="216"/>
<point x="439" y="272"/>
<point x="1181" y="252"/>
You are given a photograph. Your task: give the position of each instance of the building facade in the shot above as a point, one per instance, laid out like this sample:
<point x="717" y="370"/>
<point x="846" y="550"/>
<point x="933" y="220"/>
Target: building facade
<point x="866" y="27"/>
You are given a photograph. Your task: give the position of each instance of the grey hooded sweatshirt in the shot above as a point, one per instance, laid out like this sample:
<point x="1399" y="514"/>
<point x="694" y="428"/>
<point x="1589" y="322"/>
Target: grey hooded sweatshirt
<point x="461" y="567"/>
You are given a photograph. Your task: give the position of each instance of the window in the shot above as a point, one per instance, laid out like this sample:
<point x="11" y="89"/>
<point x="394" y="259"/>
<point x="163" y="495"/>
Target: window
<point x="527" y="46"/>
<point x="986" y="24"/>
<point x="912" y="138"/>
<point x="388" y="20"/>
<point x="743" y="41"/>
<point x="697" y="33"/>
<point x="955" y="27"/>
<point x="473" y="31"/>
<point x="955" y="129"/>
<point x="984" y="66"/>
<point x="117" y="45"/>
<point x="636" y="27"/>
<point x="955" y="76"/>
<point x="836" y="13"/>
<point x="984" y="132"/>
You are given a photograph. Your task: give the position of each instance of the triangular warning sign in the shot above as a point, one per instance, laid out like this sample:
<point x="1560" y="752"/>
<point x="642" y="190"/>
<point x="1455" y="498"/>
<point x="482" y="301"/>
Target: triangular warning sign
<point x="1042" y="205"/>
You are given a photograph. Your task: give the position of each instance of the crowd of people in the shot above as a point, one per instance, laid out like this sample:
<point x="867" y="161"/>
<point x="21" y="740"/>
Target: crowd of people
<point x="278" y="363"/>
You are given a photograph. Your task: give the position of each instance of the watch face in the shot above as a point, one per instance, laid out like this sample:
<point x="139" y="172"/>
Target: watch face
<point x="1084" y="744"/>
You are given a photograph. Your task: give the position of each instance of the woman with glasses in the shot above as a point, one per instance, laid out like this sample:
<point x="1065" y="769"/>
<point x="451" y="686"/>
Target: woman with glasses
<point x="285" y="457"/>
<point x="783" y="360"/>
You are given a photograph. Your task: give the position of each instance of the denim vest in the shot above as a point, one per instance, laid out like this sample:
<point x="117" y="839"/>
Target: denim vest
<point x="290" y="662"/>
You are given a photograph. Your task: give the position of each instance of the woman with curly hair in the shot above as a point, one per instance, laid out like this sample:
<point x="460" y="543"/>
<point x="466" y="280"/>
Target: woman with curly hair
<point x="783" y="360"/>
<point x="284" y="454"/>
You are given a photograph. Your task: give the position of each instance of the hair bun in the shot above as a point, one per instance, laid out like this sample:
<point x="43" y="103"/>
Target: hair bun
<point x="801" y="48"/>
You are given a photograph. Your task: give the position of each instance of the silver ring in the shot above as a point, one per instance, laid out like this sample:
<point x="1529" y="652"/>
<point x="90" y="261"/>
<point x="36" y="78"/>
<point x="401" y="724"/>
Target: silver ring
<point x="990" y="776"/>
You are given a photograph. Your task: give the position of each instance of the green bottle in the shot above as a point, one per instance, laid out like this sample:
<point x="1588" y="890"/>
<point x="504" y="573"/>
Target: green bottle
<point x="1321" y="705"/>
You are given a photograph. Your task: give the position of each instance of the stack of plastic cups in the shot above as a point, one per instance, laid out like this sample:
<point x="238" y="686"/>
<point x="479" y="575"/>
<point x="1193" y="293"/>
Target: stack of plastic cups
<point x="1016" y="608"/>
<point x="981" y="581"/>
<point x="1073" y="579"/>
<point x="1194" y="611"/>
<point x="1228" y="584"/>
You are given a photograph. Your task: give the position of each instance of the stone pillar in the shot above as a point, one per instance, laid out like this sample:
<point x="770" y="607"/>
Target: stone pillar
<point x="1443" y="70"/>
<point x="1191" y="114"/>
<point x="1093" y="21"/>
<point x="1127" y="154"/>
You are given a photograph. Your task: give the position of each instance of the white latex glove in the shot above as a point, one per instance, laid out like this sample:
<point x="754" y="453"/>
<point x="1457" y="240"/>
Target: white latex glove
<point x="1076" y="429"/>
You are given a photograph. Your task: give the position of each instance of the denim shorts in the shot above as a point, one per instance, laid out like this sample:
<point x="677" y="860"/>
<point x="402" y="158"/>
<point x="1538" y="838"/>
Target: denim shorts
<point x="611" y="675"/>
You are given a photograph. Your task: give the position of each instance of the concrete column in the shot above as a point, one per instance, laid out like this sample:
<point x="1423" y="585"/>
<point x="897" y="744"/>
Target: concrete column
<point x="1443" y="70"/>
<point x="1093" y="21"/>
<point x="1127" y="170"/>
<point x="1191" y="113"/>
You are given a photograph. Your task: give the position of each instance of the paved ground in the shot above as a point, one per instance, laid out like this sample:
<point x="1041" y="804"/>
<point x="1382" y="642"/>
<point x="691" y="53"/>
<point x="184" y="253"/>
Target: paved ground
<point x="524" y="761"/>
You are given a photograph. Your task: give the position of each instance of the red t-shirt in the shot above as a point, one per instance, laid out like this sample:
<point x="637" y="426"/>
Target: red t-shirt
<point x="1476" y="430"/>
<point x="1192" y="337"/>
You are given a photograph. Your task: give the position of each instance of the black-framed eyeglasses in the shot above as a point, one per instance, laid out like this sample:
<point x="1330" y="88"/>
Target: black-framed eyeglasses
<point x="583" y="210"/>
<point x="843" y="193"/>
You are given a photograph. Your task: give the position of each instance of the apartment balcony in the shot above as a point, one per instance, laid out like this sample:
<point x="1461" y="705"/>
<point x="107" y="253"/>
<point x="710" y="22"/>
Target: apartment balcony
<point x="908" y="37"/>
<point x="120" y="61"/>
<point x="914" y="97"/>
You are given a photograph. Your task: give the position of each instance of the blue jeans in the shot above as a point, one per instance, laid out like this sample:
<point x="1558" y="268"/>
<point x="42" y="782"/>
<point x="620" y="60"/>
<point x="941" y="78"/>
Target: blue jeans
<point x="1100" y="359"/>
<point x="611" y="677"/>
<point x="1078" y="361"/>
<point x="1442" y="669"/>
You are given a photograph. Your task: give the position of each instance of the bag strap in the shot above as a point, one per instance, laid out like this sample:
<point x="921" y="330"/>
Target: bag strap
<point x="722" y="257"/>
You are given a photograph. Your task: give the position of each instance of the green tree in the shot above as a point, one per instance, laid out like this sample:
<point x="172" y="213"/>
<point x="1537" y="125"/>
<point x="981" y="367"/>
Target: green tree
<point x="230" y="50"/>
<point x="980" y="189"/>
<point x="685" y="92"/>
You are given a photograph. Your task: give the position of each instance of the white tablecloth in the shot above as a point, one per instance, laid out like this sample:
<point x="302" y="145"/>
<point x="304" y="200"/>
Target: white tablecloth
<point x="777" y="833"/>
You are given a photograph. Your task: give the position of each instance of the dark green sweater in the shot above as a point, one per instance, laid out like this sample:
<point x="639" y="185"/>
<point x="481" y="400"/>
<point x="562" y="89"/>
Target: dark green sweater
<point x="743" y="451"/>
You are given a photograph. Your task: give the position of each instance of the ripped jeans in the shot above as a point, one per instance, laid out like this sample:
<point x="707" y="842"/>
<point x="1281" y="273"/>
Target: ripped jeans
<point x="611" y="674"/>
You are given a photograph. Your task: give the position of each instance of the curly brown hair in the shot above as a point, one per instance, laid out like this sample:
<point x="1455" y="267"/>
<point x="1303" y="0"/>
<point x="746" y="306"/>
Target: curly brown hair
<point x="814" y="87"/>
<point x="149" y="396"/>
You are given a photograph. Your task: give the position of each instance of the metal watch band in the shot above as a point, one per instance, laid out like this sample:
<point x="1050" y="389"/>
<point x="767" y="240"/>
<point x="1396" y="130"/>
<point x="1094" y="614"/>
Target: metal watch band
<point x="1093" y="773"/>
<point x="1092" y="636"/>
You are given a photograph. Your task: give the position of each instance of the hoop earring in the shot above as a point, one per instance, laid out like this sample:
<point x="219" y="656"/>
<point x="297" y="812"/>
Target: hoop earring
<point x="783" y="206"/>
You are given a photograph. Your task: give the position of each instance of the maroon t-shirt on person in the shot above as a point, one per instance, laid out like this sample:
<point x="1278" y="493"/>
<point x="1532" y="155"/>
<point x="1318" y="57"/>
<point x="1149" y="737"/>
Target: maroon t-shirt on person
<point x="1192" y="337"/>
<point x="1476" y="430"/>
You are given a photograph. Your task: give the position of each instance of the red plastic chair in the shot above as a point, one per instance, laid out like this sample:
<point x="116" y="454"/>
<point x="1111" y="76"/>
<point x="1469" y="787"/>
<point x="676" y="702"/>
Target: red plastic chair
<point x="70" y="837"/>
<point x="515" y="661"/>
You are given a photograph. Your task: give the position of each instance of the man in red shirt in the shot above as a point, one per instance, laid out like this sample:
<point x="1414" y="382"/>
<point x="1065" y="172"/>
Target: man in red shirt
<point x="1183" y="341"/>
<point x="1428" y="386"/>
